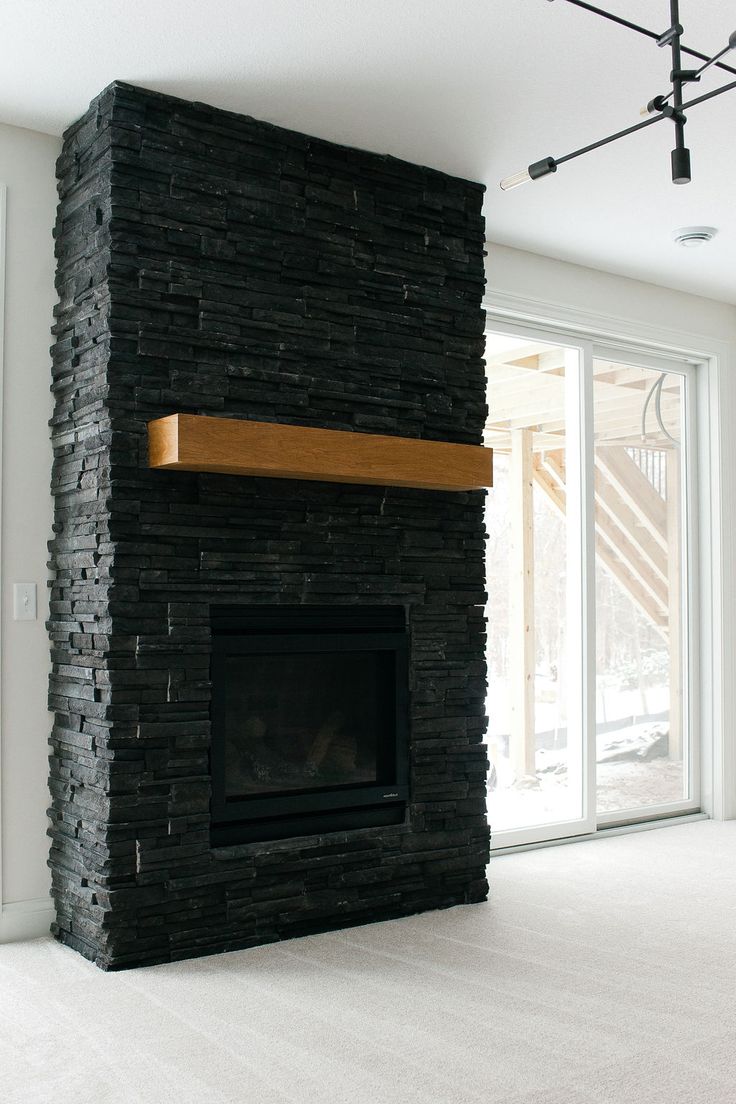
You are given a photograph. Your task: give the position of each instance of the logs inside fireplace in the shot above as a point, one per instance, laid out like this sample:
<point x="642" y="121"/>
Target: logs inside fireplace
<point x="309" y="720"/>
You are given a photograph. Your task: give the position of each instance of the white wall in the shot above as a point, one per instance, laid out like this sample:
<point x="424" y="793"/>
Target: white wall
<point x="27" y="169"/>
<point x="586" y="290"/>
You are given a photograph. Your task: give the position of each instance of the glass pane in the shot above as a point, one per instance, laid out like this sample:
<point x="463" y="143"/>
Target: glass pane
<point x="533" y="629"/>
<point x="641" y="739"/>
<point x="297" y="721"/>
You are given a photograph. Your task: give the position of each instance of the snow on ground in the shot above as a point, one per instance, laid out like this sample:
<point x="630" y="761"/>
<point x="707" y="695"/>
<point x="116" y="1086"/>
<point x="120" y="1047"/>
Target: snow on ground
<point x="628" y="784"/>
<point x="548" y="796"/>
<point x="621" y="786"/>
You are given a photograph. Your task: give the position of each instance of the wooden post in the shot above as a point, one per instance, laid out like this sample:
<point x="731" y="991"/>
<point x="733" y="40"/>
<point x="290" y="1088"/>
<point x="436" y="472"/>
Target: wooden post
<point x="522" y="651"/>
<point x="674" y="587"/>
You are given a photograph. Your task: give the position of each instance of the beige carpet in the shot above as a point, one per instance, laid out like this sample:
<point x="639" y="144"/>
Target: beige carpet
<point x="600" y="973"/>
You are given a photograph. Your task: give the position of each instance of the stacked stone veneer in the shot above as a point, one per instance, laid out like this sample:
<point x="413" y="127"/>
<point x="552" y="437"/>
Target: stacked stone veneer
<point x="211" y="263"/>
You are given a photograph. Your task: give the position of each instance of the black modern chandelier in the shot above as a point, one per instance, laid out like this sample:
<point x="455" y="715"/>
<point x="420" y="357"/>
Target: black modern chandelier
<point x="669" y="106"/>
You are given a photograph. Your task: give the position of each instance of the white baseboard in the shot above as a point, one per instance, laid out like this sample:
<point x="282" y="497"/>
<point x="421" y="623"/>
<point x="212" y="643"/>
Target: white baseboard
<point x="25" y="920"/>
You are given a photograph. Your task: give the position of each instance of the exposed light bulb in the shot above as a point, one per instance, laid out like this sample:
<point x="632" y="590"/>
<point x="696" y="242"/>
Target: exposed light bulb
<point x="514" y="181"/>
<point x="533" y="172"/>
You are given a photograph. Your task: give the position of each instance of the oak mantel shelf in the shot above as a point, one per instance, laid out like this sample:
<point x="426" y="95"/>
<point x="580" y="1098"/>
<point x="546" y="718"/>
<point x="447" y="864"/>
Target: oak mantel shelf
<point x="191" y="442"/>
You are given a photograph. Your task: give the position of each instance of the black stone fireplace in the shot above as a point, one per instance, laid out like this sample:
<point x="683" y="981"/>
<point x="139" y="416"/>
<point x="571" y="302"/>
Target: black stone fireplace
<point x="268" y="694"/>
<point x="309" y="720"/>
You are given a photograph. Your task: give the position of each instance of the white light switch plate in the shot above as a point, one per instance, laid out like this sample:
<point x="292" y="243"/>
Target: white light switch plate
<point x="24" y="601"/>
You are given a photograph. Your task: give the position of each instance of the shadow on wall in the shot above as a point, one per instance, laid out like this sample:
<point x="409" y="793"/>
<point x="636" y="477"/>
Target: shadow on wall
<point x="388" y="116"/>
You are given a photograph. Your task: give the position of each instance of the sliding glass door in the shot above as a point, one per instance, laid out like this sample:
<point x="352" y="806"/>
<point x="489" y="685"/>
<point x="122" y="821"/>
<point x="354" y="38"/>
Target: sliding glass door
<point x="589" y="568"/>
<point x="643" y="502"/>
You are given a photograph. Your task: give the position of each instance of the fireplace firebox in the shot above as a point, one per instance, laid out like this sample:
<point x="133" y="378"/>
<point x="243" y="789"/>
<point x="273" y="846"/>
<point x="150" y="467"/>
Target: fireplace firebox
<point x="309" y="720"/>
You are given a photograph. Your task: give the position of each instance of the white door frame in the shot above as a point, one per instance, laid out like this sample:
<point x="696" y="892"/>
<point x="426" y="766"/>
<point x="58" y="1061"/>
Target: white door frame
<point x="714" y="623"/>
<point x="3" y="209"/>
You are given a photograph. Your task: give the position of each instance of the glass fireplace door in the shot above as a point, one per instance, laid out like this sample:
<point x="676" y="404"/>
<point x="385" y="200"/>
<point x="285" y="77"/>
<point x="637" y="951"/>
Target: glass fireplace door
<point x="299" y="721"/>
<point x="309" y="720"/>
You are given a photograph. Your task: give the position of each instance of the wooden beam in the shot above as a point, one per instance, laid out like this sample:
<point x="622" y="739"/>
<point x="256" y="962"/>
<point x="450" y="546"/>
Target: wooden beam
<point x="635" y="489"/>
<point x="626" y="537"/>
<point x="512" y="397"/>
<point x="556" y="494"/>
<point x="522" y="646"/>
<point x="621" y="515"/>
<point x="553" y="461"/>
<point x="631" y="587"/>
<point x="519" y="352"/>
<point x="189" y="442"/>
<point x="622" y="548"/>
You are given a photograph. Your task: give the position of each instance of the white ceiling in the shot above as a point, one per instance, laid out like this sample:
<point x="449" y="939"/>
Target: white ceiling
<point x="479" y="88"/>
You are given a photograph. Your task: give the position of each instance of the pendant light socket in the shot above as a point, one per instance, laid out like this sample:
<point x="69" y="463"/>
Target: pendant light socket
<point x="681" y="173"/>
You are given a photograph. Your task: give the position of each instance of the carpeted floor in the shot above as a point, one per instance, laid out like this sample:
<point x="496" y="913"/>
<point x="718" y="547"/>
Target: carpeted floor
<point x="599" y="973"/>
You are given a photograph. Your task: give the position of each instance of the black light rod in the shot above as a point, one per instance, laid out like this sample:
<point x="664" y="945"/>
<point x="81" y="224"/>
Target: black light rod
<point x="644" y="31"/>
<point x="644" y="123"/>
<point x="676" y="67"/>
<point x="680" y="157"/>
<point x="714" y="60"/>
<point x="611" y="138"/>
<point x="709" y="95"/>
<point x="704" y="57"/>
<point x="615" y="19"/>
<point x="701" y="70"/>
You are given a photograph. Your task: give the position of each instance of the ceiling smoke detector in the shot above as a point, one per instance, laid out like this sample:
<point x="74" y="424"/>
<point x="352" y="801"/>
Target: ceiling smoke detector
<point x="690" y="236"/>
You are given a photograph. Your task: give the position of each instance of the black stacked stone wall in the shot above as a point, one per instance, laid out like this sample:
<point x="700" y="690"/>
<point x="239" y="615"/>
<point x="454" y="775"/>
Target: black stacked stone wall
<point x="211" y="263"/>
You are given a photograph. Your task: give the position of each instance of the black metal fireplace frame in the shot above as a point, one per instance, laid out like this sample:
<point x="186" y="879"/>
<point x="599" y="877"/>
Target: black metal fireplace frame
<point x="327" y="808"/>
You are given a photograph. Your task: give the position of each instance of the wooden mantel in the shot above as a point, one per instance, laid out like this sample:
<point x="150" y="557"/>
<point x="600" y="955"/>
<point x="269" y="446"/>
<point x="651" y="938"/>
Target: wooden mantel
<point x="190" y="442"/>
